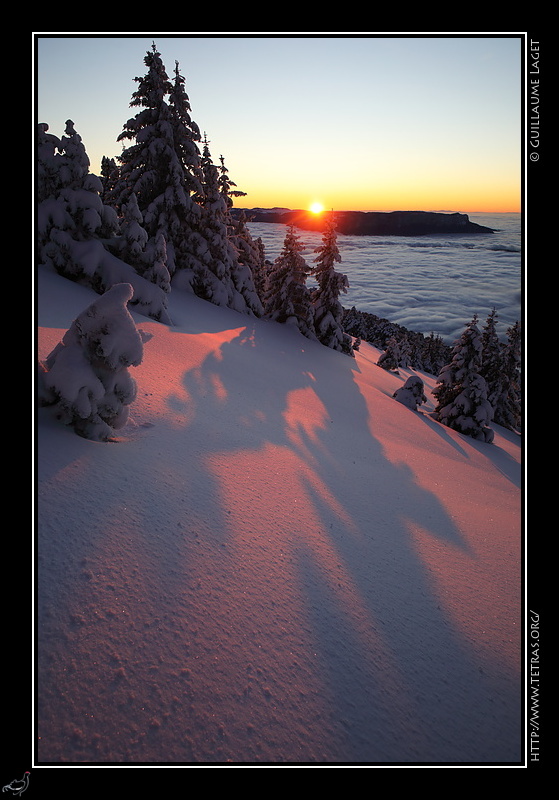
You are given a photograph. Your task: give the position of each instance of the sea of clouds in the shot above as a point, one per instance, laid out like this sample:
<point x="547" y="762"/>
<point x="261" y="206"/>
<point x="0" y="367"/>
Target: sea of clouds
<point x="427" y="283"/>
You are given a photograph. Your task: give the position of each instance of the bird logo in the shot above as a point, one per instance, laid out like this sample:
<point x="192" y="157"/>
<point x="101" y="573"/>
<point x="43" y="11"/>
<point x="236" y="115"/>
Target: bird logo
<point x="17" y="787"/>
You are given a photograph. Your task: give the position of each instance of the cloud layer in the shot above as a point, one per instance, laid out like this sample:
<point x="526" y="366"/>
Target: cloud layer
<point x="427" y="284"/>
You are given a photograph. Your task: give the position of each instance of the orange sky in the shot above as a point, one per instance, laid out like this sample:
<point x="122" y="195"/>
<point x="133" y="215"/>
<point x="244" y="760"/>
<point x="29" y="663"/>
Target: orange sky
<point x="400" y="183"/>
<point x="489" y="201"/>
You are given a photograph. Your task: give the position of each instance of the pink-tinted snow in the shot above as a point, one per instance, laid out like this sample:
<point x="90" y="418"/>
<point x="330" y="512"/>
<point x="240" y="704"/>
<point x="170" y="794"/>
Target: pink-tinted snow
<point x="275" y="563"/>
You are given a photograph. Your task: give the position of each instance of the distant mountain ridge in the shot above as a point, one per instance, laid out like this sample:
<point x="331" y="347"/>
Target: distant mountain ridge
<point x="370" y="223"/>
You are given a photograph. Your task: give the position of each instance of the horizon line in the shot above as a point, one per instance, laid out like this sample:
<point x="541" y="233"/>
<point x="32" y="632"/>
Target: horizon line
<point x="380" y="211"/>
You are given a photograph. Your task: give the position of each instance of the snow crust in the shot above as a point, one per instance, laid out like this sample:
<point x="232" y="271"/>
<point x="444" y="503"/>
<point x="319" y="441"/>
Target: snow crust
<point x="277" y="562"/>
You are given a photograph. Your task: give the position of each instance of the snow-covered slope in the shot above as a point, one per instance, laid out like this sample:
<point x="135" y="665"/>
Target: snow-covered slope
<point x="276" y="563"/>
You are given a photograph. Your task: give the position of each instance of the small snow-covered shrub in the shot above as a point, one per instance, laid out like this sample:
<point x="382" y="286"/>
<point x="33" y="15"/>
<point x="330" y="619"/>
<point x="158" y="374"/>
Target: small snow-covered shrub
<point x="85" y="379"/>
<point x="411" y="394"/>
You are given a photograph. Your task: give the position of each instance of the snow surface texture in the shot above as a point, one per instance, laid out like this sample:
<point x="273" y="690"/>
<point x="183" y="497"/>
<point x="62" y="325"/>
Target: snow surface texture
<point x="277" y="563"/>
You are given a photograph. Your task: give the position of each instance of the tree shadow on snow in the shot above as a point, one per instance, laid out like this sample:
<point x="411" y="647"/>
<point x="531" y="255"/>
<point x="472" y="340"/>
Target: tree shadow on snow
<point x="404" y="683"/>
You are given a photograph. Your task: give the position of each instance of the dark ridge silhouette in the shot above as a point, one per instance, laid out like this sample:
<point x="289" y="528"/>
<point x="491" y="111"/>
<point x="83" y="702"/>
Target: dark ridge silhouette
<point x="370" y="223"/>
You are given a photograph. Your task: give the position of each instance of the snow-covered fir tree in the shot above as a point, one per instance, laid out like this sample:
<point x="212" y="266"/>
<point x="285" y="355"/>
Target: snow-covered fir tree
<point x="162" y="165"/>
<point x="398" y="353"/>
<point x="68" y="194"/>
<point x="434" y="354"/>
<point x="508" y="404"/>
<point x="412" y="393"/>
<point x="147" y="256"/>
<point x="461" y="390"/>
<point x="327" y="309"/>
<point x="491" y="359"/>
<point x="227" y="187"/>
<point x="134" y="236"/>
<point x="85" y="379"/>
<point x="146" y="165"/>
<point x="390" y="358"/>
<point x="49" y="179"/>
<point x="156" y="254"/>
<point x="215" y="278"/>
<point x="249" y="251"/>
<point x="77" y="234"/>
<point x="179" y="192"/>
<point x="287" y="299"/>
<point x="354" y="323"/>
<point x="188" y="237"/>
<point x="405" y="352"/>
<point x="246" y="253"/>
<point x="186" y="133"/>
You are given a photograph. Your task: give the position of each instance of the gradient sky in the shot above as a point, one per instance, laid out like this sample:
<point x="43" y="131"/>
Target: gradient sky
<point x="362" y="122"/>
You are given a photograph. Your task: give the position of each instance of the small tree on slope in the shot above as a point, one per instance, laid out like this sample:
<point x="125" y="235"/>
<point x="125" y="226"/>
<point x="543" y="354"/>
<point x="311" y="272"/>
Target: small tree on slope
<point x="85" y="379"/>
<point x="250" y="253"/>
<point x="390" y="358"/>
<point x="508" y="405"/>
<point x="241" y="240"/>
<point x="492" y="359"/>
<point x="287" y="298"/>
<point x="327" y="309"/>
<point x="461" y="390"/>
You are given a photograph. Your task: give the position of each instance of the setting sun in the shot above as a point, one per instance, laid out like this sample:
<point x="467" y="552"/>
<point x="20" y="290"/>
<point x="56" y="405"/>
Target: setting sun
<point x="316" y="208"/>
